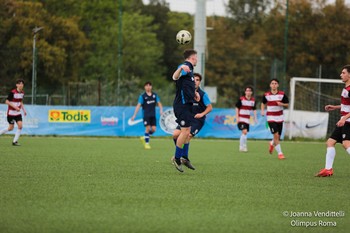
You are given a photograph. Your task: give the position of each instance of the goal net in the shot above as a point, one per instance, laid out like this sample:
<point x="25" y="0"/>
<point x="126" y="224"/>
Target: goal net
<point x="306" y="116"/>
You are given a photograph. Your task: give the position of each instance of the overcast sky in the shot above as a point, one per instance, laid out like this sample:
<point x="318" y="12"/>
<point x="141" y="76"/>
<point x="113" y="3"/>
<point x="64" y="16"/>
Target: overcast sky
<point x="214" y="7"/>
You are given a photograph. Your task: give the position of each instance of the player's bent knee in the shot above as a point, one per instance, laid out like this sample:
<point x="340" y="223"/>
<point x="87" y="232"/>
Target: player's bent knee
<point x="331" y="142"/>
<point x="346" y="144"/>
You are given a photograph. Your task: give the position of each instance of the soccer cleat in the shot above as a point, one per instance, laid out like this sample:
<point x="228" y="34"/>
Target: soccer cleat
<point x="172" y="160"/>
<point x="15" y="144"/>
<point x="243" y="149"/>
<point x="142" y="140"/>
<point x="281" y="156"/>
<point x="325" y="172"/>
<point x="177" y="164"/>
<point x="147" y="146"/>
<point x="187" y="163"/>
<point x="270" y="148"/>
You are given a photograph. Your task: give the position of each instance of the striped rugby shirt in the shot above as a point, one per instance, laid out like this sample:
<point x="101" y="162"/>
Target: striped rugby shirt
<point x="274" y="112"/>
<point x="245" y="106"/>
<point x="345" y="102"/>
<point x="15" y="97"/>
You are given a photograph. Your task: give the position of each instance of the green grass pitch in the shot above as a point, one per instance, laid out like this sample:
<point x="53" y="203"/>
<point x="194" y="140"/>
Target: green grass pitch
<point x="113" y="185"/>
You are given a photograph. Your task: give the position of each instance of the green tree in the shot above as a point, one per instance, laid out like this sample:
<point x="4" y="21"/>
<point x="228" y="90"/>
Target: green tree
<point x="310" y="44"/>
<point x="60" y="45"/>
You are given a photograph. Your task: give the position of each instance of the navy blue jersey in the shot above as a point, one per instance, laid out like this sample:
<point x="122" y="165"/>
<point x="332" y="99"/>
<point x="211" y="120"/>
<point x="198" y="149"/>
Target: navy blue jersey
<point x="185" y="87"/>
<point x="199" y="107"/>
<point x="148" y="104"/>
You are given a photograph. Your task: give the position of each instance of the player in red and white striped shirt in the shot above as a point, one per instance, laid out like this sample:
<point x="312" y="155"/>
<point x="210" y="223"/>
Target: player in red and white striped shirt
<point x="275" y="101"/>
<point x="341" y="132"/>
<point x="244" y="106"/>
<point x="15" y="105"/>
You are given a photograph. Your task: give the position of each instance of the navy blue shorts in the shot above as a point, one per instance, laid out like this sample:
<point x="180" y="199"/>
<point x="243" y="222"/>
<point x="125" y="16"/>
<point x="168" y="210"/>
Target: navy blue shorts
<point x="184" y="115"/>
<point x="196" y="126"/>
<point x="149" y="121"/>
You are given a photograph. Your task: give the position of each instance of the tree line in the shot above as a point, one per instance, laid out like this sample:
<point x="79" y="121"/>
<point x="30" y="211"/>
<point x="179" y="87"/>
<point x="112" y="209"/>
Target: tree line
<point x="80" y="43"/>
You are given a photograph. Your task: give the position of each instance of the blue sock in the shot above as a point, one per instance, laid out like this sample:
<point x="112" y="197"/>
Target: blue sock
<point x="185" y="150"/>
<point x="150" y="132"/>
<point x="146" y="137"/>
<point x="178" y="152"/>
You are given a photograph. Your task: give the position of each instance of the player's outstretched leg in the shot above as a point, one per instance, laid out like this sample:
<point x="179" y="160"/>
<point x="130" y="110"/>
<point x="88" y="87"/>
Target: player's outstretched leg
<point x="3" y="131"/>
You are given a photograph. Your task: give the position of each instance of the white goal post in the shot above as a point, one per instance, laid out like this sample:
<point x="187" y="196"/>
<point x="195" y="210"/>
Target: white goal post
<point x="292" y="112"/>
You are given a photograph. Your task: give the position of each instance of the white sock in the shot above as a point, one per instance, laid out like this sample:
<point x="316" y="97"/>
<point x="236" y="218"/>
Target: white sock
<point x="271" y="143"/>
<point x="348" y="150"/>
<point x="278" y="149"/>
<point x="241" y="141"/>
<point x="4" y="131"/>
<point x="18" y="133"/>
<point x="330" y="157"/>
<point x="244" y="140"/>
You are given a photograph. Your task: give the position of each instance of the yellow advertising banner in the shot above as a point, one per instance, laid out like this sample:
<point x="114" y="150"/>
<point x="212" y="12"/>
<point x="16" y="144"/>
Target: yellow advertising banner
<point x="69" y="116"/>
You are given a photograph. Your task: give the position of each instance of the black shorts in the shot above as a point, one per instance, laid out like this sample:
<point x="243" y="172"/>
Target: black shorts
<point x="242" y="126"/>
<point x="341" y="134"/>
<point x="12" y="119"/>
<point x="149" y="121"/>
<point x="184" y="115"/>
<point x="276" y="127"/>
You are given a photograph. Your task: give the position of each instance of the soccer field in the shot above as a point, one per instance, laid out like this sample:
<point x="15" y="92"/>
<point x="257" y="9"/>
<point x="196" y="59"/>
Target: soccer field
<point x="54" y="184"/>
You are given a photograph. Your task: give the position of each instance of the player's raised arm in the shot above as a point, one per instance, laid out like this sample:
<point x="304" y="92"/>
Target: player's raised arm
<point x="182" y="70"/>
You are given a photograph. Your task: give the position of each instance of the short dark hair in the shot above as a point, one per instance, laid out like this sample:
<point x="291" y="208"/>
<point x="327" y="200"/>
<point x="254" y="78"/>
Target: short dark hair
<point x="275" y="79"/>
<point x="198" y="75"/>
<point x="249" y="87"/>
<point x="148" y="83"/>
<point x="19" y="81"/>
<point x="347" y="67"/>
<point x="189" y="52"/>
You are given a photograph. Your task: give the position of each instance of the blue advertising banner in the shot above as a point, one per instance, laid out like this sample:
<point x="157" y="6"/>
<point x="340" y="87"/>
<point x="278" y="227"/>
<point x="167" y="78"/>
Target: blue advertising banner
<point x="115" y="121"/>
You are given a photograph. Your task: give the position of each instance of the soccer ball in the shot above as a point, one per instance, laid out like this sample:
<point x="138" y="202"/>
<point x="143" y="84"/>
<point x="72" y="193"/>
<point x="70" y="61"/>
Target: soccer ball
<point x="183" y="37"/>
